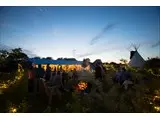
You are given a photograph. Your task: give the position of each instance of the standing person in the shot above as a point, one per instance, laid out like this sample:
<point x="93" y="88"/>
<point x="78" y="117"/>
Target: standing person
<point x="117" y="77"/>
<point x="98" y="72"/>
<point x="39" y="74"/>
<point x="70" y="73"/>
<point x="57" y="82"/>
<point x="124" y="76"/>
<point x="48" y="73"/>
<point x="63" y="77"/>
<point x="126" y="79"/>
<point x="75" y="75"/>
<point x="31" y="79"/>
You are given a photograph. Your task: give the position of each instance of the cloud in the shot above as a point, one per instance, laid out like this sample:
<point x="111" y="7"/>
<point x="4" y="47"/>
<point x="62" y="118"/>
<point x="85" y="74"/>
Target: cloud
<point x="105" y="29"/>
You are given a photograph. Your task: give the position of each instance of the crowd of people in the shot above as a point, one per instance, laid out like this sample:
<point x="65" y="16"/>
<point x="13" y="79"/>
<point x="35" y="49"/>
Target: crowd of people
<point x="59" y="78"/>
<point x="123" y="77"/>
<point x="56" y="78"/>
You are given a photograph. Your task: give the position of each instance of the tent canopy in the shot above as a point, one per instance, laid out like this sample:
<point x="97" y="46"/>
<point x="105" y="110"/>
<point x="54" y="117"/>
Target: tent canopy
<point x="56" y="62"/>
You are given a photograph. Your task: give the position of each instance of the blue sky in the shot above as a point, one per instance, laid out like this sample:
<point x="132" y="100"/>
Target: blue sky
<point x="57" y="31"/>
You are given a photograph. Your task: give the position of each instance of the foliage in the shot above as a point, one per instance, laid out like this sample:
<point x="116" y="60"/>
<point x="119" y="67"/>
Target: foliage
<point x="124" y="61"/>
<point x="49" y="58"/>
<point x="21" y="108"/>
<point x="37" y="58"/>
<point x="10" y="60"/>
<point x="153" y="64"/>
<point x="18" y="76"/>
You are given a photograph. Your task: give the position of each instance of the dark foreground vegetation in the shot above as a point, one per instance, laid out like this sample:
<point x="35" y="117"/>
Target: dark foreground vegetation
<point x="142" y="97"/>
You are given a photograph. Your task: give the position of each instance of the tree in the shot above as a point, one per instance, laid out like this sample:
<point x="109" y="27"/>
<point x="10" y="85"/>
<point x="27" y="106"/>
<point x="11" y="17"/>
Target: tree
<point x="49" y="58"/>
<point x="123" y="61"/>
<point x="37" y="58"/>
<point x="153" y="63"/>
<point x="13" y="58"/>
<point x="17" y="54"/>
<point x="3" y="55"/>
<point x="59" y="58"/>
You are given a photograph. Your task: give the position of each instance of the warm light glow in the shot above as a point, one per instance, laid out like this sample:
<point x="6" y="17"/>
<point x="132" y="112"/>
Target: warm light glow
<point x="156" y="97"/>
<point x="82" y="85"/>
<point x="157" y="108"/>
<point x="3" y="86"/>
<point x="64" y="67"/>
<point x="17" y="77"/>
<point x="13" y="110"/>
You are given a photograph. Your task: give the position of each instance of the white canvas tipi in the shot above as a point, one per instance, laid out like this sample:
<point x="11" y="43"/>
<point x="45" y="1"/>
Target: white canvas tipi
<point x="136" y="60"/>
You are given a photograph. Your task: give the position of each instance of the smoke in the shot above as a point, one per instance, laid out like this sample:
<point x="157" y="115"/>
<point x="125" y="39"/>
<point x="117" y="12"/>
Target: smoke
<point x="105" y="50"/>
<point x="29" y="53"/>
<point x="105" y="29"/>
<point x="5" y="47"/>
<point x="156" y="44"/>
<point x="85" y="55"/>
<point x="91" y="53"/>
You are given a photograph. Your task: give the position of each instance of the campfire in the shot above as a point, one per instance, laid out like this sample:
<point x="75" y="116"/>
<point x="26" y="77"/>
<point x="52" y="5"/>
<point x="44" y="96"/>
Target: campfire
<point x="82" y="85"/>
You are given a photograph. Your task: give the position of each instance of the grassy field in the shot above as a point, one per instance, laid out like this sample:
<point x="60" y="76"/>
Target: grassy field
<point x="111" y="98"/>
<point x="14" y="94"/>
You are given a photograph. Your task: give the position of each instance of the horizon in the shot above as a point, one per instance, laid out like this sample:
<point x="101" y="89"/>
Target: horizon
<point x="104" y="33"/>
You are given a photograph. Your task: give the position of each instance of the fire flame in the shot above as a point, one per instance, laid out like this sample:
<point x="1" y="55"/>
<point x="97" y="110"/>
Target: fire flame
<point x="82" y="85"/>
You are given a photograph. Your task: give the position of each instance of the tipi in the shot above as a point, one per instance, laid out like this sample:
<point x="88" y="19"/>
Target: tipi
<point x="136" y="59"/>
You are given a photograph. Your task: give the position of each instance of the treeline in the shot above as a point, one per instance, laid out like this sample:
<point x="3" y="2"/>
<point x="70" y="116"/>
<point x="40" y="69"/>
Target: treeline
<point x="9" y="59"/>
<point x="152" y="64"/>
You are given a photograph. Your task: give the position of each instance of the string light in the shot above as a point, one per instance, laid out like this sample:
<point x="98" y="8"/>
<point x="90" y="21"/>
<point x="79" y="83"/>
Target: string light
<point x="17" y="77"/>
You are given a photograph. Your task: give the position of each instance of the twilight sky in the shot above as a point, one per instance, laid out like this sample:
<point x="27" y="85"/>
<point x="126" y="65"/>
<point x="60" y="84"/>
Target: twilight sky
<point x="96" y="32"/>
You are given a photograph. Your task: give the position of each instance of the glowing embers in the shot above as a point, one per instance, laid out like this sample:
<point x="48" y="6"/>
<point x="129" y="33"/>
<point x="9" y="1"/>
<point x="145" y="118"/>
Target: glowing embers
<point x="82" y="85"/>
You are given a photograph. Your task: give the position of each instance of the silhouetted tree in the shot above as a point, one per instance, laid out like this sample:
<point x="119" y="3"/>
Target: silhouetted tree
<point x="154" y="64"/>
<point x="17" y="54"/>
<point x="59" y="58"/>
<point x="11" y="59"/>
<point x="123" y="61"/>
<point x="3" y="55"/>
<point x="37" y="58"/>
<point x="49" y="58"/>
